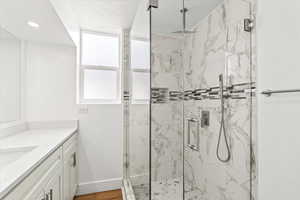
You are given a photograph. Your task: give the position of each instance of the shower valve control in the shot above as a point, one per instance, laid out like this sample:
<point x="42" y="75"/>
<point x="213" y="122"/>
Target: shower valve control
<point x="204" y="119"/>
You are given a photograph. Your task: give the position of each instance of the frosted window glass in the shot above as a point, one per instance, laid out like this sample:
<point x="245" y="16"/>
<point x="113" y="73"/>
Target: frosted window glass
<point x="140" y="54"/>
<point x="100" y="50"/>
<point x="100" y="84"/>
<point x="141" y="86"/>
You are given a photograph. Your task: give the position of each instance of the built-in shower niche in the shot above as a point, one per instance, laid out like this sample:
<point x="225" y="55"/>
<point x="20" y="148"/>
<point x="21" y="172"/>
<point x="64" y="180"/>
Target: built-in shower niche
<point x="193" y="134"/>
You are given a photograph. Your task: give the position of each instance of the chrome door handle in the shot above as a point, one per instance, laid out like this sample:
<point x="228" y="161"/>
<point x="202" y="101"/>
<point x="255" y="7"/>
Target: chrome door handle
<point x="51" y="194"/>
<point x="195" y="147"/>
<point x="74" y="160"/>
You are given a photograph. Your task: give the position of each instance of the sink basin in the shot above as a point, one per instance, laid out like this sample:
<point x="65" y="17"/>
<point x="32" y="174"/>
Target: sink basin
<point x="10" y="155"/>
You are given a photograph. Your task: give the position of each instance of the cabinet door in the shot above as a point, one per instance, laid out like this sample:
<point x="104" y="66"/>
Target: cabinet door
<point x="53" y="188"/>
<point x="49" y="186"/>
<point x="70" y="172"/>
<point x="37" y="194"/>
<point x="73" y="174"/>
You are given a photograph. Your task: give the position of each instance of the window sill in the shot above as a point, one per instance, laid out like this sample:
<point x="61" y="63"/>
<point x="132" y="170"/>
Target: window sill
<point x="99" y="102"/>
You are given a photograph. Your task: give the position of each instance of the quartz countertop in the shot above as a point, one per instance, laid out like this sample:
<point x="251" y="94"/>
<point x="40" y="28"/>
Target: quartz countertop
<point x="37" y="144"/>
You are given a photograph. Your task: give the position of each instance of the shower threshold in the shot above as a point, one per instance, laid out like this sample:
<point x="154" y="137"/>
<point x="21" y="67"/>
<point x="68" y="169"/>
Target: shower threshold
<point x="128" y="193"/>
<point x="161" y="190"/>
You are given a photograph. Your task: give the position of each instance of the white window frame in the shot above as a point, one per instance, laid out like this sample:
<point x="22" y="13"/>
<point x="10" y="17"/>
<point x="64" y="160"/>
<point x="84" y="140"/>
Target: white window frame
<point x="139" y="70"/>
<point x="83" y="67"/>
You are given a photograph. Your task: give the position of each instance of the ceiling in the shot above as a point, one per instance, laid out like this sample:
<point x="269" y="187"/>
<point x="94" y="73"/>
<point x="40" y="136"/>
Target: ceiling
<point x="98" y="15"/>
<point x="141" y="23"/>
<point x="14" y="15"/>
<point x="104" y="15"/>
<point x="167" y="18"/>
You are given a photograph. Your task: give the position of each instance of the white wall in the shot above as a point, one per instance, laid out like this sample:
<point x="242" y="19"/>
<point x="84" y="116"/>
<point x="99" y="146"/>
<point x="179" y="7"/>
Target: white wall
<point x="51" y="83"/>
<point x="278" y="118"/>
<point x="100" y="148"/>
<point x="51" y="95"/>
<point x="10" y="70"/>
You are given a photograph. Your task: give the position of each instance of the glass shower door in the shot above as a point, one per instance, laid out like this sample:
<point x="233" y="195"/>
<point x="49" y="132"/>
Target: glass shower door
<point x="166" y="102"/>
<point x="137" y="108"/>
<point x="218" y="153"/>
<point x="202" y="105"/>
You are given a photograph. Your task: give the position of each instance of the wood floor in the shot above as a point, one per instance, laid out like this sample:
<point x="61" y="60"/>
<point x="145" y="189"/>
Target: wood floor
<point x="109" y="195"/>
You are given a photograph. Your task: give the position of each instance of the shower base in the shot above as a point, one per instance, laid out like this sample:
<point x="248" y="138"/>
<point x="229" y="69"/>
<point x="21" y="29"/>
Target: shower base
<point x="166" y="190"/>
<point x="161" y="190"/>
<point x="141" y="191"/>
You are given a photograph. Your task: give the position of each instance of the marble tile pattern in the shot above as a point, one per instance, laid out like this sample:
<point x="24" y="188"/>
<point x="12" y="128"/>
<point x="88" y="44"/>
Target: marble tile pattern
<point x="167" y="190"/>
<point x="166" y="119"/>
<point x="164" y="190"/>
<point x="220" y="46"/>
<point x="141" y="191"/>
<point x="126" y="103"/>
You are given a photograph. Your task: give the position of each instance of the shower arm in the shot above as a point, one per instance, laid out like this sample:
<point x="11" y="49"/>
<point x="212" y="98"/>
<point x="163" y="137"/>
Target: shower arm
<point x="184" y="11"/>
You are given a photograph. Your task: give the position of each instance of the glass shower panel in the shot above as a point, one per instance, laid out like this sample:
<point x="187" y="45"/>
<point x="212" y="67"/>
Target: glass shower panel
<point x="221" y="164"/>
<point x="138" y="131"/>
<point x="167" y="102"/>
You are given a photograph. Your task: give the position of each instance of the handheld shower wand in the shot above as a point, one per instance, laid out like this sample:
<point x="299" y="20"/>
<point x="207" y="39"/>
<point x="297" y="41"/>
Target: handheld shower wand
<point x="222" y="124"/>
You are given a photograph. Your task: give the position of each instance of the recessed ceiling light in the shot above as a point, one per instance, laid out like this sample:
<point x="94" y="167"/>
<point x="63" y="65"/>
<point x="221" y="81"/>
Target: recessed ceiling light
<point x="33" y="24"/>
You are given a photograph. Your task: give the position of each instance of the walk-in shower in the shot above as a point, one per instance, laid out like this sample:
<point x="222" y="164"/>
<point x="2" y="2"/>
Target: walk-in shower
<point x="190" y="128"/>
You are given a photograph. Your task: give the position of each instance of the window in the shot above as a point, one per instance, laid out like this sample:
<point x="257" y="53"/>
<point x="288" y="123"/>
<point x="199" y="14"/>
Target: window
<point x="100" y="68"/>
<point x="140" y="66"/>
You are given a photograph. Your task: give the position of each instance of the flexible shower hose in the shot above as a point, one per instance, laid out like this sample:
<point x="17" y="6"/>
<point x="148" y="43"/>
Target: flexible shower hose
<point x="222" y="125"/>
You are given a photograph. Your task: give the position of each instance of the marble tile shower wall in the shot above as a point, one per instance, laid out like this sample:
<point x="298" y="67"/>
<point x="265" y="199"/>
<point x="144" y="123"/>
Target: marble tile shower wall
<point x="220" y="46"/>
<point x="166" y="122"/>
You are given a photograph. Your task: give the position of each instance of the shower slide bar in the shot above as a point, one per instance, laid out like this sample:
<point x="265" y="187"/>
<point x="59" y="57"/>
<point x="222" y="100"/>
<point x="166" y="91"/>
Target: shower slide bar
<point x="268" y="93"/>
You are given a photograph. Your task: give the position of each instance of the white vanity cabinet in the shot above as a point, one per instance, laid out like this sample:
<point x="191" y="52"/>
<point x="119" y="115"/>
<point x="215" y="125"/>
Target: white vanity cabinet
<point x="54" y="179"/>
<point x="49" y="187"/>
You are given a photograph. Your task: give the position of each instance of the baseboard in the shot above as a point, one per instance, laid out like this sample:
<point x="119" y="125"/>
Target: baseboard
<point x="99" y="186"/>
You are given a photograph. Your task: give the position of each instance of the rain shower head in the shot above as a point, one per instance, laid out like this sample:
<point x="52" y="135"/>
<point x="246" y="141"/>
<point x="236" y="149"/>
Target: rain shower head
<point x="184" y="31"/>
